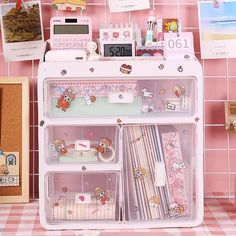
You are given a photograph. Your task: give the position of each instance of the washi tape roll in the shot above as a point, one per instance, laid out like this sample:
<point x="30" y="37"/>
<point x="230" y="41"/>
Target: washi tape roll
<point x="109" y="158"/>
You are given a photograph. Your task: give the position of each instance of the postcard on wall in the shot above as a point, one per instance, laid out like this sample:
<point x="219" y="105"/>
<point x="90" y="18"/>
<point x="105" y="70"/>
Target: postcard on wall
<point x="22" y="31"/>
<point x="128" y="5"/>
<point x="9" y="169"/>
<point x="217" y="22"/>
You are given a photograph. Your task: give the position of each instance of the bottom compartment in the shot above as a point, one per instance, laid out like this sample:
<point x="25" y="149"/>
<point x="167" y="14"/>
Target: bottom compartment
<point x="82" y="196"/>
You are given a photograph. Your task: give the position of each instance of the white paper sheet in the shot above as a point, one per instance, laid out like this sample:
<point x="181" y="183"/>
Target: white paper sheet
<point x="128" y="5"/>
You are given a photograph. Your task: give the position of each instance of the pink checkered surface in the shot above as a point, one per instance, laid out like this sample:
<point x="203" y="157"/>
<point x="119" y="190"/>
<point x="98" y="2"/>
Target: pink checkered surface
<point x="23" y="220"/>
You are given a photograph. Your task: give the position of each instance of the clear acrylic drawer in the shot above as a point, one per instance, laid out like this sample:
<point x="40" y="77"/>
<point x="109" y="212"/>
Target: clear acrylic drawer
<point x="159" y="172"/>
<point x="81" y="144"/>
<point x="78" y="196"/>
<point x="73" y="98"/>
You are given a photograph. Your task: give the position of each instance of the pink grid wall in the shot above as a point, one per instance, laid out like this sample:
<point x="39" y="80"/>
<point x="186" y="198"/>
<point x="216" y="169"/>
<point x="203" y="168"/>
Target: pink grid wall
<point x="219" y="77"/>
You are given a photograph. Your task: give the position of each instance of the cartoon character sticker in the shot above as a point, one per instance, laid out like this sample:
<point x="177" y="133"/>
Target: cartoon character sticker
<point x="101" y="195"/>
<point x="174" y="209"/>
<point x="179" y="90"/>
<point x="177" y="165"/>
<point x="154" y="201"/>
<point x="126" y="69"/>
<point x="3" y="170"/>
<point x="60" y="146"/>
<point x="90" y="99"/>
<point x="65" y="100"/>
<point x="140" y="173"/>
<point x="104" y="143"/>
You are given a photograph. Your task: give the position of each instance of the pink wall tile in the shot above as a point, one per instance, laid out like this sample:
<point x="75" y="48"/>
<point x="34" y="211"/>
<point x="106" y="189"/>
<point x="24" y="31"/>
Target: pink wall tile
<point x="96" y="14"/>
<point x="196" y="40"/>
<point x="232" y="158"/>
<point x="1" y="49"/>
<point x="215" y="67"/>
<point x="116" y="18"/>
<point x="214" y="113"/>
<point x="232" y="67"/>
<point x="232" y="140"/>
<point x="216" y="88"/>
<point x="216" y="184"/>
<point x="216" y="161"/>
<point x="232" y="86"/>
<point x="23" y="68"/>
<point x="189" y="16"/>
<point x="48" y="12"/>
<point x="31" y="162"/>
<point x="215" y="137"/>
<point x="3" y="66"/>
<point x="141" y="18"/>
<point x="232" y="184"/>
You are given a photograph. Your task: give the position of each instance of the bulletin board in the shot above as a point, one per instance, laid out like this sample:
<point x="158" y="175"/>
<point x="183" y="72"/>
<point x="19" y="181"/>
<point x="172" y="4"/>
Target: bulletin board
<point x="14" y="139"/>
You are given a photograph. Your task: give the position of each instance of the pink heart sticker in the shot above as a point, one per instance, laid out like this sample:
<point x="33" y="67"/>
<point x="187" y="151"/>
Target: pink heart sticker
<point x="81" y="198"/>
<point x="116" y="34"/>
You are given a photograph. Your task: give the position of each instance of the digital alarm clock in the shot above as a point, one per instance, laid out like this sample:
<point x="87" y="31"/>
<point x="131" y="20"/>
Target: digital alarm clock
<point x="117" y="48"/>
<point x="70" y="32"/>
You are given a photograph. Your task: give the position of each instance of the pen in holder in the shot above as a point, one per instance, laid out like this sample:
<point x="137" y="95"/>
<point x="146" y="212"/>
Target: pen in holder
<point x="151" y="26"/>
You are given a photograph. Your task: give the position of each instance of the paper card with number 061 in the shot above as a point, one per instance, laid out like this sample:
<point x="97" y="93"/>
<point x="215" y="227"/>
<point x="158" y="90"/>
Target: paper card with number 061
<point x="178" y="46"/>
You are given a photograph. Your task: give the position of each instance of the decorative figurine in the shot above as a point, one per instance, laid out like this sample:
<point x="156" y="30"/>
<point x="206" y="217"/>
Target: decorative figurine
<point x="65" y="100"/>
<point x="92" y="47"/>
<point x="101" y="195"/>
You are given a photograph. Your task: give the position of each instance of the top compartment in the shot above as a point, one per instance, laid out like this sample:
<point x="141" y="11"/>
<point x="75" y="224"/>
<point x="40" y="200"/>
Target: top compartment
<point x="81" y="98"/>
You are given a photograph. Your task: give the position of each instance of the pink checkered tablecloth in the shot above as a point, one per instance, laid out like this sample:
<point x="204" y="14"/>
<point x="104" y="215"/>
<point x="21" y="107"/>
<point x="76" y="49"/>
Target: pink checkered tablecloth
<point x="23" y="219"/>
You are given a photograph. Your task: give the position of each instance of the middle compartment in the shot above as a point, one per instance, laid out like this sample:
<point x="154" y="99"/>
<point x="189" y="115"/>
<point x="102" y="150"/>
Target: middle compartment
<point x="81" y="144"/>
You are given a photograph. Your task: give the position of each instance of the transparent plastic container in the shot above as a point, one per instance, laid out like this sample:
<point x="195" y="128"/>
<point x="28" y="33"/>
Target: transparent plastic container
<point x="67" y="144"/>
<point x="74" y="98"/>
<point x="79" y="196"/>
<point x="159" y="183"/>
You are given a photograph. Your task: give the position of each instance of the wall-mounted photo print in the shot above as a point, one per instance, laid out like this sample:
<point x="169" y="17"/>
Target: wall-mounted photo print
<point x="217" y="22"/>
<point x="22" y="33"/>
